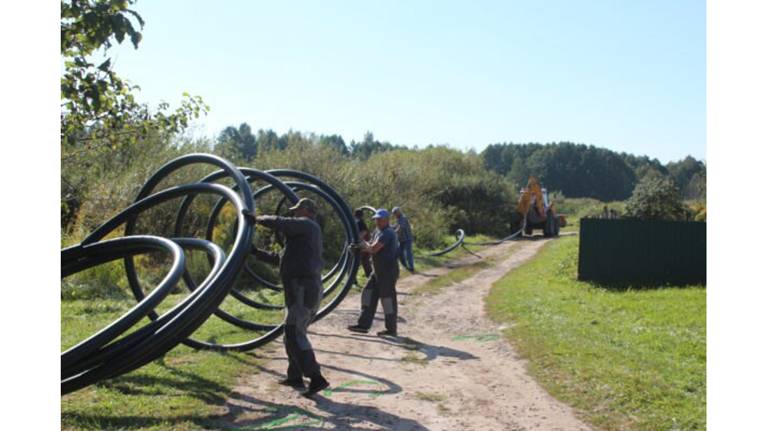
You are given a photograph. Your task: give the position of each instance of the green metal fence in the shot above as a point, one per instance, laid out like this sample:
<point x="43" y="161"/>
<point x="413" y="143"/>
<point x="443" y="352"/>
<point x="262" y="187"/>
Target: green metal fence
<point x="640" y="251"/>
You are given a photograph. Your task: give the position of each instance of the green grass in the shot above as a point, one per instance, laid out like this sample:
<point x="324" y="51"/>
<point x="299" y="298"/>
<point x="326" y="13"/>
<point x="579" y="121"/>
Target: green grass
<point x="633" y="359"/>
<point x="424" y="261"/>
<point x="185" y="390"/>
<point x="576" y="208"/>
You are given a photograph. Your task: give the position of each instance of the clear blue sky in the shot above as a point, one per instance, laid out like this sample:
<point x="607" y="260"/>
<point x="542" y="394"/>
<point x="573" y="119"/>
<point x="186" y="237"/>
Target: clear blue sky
<point x="625" y="75"/>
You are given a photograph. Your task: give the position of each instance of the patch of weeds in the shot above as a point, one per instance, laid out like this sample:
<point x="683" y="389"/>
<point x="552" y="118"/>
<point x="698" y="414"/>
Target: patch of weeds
<point x="414" y="358"/>
<point x="431" y="397"/>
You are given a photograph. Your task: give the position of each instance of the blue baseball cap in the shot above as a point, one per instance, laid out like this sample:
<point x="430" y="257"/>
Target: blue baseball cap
<point x="381" y="213"/>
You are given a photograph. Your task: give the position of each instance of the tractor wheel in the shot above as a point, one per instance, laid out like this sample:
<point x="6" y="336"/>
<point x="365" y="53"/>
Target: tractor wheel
<point x="557" y="226"/>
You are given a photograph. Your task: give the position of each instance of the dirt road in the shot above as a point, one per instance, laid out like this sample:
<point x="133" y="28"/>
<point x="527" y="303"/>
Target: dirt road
<point x="449" y="370"/>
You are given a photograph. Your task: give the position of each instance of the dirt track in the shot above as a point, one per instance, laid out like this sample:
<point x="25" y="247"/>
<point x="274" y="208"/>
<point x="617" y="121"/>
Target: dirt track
<point x="449" y="370"/>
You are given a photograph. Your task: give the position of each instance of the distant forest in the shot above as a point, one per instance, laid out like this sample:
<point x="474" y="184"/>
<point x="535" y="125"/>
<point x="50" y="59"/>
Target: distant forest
<point x="575" y="170"/>
<point x="580" y="170"/>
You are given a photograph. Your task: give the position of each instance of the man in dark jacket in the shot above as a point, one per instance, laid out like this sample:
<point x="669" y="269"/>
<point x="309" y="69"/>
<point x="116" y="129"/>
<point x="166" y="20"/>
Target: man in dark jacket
<point x="301" y="267"/>
<point x="365" y="235"/>
<point x="381" y="284"/>
<point x="405" y="237"/>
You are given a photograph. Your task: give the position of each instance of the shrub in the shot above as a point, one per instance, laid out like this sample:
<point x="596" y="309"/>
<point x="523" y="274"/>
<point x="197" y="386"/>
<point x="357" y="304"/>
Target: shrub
<point x="656" y="198"/>
<point x="104" y="281"/>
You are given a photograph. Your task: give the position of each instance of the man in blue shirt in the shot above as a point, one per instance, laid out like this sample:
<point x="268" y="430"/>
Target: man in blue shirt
<point x="381" y="284"/>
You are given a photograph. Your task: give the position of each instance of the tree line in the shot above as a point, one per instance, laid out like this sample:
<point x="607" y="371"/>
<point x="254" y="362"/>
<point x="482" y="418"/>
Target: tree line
<point x="580" y="170"/>
<point x="242" y="143"/>
<point x="576" y="170"/>
<point x="110" y="144"/>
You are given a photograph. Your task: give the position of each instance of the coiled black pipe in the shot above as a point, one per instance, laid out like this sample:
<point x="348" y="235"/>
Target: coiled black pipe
<point x="109" y="352"/>
<point x="459" y="242"/>
<point x="506" y="238"/>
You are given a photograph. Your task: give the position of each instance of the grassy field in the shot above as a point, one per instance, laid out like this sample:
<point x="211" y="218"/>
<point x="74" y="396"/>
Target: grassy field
<point x="187" y="389"/>
<point x="424" y="260"/>
<point x="633" y="359"/>
<point x="575" y="209"/>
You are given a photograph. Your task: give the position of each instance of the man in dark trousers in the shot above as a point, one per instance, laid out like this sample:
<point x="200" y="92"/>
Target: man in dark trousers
<point x="365" y="235"/>
<point x="301" y="267"/>
<point x="405" y="237"/>
<point x="381" y="284"/>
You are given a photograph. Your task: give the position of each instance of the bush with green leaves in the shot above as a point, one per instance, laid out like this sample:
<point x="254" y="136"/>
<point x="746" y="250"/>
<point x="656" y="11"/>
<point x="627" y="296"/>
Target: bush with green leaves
<point x="100" y="116"/>
<point x="656" y="198"/>
<point x="440" y="189"/>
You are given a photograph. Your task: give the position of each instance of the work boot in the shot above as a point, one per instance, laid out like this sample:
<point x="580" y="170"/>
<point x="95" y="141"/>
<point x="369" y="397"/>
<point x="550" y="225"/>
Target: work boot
<point x="317" y="384"/>
<point x="387" y="333"/>
<point x="294" y="383"/>
<point x="357" y="328"/>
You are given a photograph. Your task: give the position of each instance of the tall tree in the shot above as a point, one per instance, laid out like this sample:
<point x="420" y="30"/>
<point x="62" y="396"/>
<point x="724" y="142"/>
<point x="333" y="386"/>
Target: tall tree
<point x="575" y="169"/>
<point x="237" y="143"/>
<point x="98" y="107"/>
<point x="689" y="175"/>
<point x="101" y="121"/>
<point x="336" y="142"/>
<point x="369" y="146"/>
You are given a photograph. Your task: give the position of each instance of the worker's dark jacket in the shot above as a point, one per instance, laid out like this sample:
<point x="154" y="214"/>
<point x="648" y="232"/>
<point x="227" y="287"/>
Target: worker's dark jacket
<point x="303" y="252"/>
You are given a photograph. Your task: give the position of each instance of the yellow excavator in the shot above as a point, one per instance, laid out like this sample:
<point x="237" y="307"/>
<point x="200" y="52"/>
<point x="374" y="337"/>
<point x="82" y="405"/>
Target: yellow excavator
<point x="536" y="211"/>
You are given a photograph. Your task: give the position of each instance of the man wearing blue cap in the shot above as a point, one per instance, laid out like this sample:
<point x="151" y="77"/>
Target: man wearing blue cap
<point x="381" y="284"/>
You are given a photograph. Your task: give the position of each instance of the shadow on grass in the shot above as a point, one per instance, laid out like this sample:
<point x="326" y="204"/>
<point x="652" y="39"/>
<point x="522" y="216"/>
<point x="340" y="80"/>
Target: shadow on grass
<point x="205" y="390"/>
<point x="128" y="422"/>
<point x="179" y="383"/>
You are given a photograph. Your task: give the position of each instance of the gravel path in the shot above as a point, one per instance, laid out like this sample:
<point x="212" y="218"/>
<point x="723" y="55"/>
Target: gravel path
<point x="449" y="370"/>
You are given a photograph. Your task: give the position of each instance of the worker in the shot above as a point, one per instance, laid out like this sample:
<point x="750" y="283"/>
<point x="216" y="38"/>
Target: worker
<point x="381" y="284"/>
<point x="405" y="238"/>
<point x="301" y="274"/>
<point x="364" y="235"/>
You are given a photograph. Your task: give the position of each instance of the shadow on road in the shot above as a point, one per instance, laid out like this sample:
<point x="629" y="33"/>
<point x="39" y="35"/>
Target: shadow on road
<point x="431" y="351"/>
<point x="246" y="412"/>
